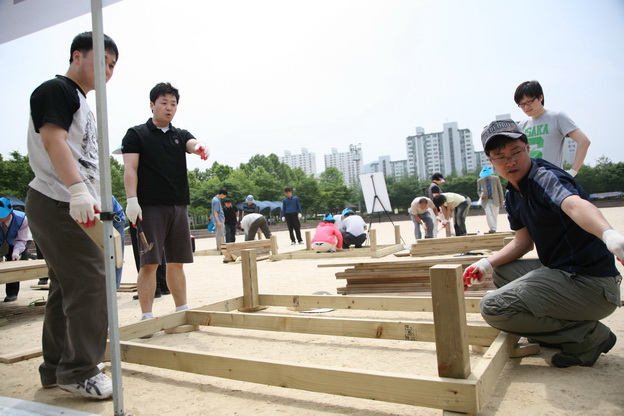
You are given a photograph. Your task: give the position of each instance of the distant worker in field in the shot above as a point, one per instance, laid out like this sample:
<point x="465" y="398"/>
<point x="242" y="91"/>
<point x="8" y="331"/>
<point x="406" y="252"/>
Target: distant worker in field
<point x="434" y="187"/>
<point x="450" y="203"/>
<point x="353" y="229"/>
<point x="492" y="196"/>
<point x="546" y="130"/>
<point x="249" y="207"/>
<point x="291" y="209"/>
<point x="327" y="237"/>
<point x="419" y="212"/>
<point x="251" y="223"/>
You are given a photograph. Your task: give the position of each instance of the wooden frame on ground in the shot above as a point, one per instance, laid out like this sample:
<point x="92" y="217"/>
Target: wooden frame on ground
<point x="457" y="388"/>
<point x="373" y="250"/>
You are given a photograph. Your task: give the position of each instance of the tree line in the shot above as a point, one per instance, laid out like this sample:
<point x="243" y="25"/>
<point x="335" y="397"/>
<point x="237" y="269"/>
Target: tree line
<point x="265" y="177"/>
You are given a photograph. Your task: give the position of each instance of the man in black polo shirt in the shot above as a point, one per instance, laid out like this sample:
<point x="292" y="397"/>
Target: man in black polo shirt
<point x="558" y="299"/>
<point x="157" y="189"/>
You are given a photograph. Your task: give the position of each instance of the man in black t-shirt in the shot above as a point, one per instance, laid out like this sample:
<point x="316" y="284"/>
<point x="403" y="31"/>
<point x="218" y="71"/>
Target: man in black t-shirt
<point x="231" y="214"/>
<point x="157" y="189"/>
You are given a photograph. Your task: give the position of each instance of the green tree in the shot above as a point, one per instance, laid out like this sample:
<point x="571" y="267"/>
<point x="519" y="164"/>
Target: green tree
<point x="15" y="175"/>
<point x="333" y="192"/>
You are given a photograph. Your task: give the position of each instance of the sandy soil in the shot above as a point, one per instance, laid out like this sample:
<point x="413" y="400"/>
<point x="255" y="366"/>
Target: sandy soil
<point x="526" y="386"/>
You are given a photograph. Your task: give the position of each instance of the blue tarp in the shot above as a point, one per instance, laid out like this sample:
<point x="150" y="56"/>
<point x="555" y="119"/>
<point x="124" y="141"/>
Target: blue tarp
<point x="269" y="206"/>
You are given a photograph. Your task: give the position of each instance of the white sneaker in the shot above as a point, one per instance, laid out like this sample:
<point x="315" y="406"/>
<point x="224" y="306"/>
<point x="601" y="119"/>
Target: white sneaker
<point x="98" y="387"/>
<point x="292" y="243"/>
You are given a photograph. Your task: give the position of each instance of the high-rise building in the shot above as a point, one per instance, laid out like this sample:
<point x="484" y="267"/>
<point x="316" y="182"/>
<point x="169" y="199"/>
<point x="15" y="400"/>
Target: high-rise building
<point x="348" y="163"/>
<point x="397" y="169"/>
<point x="305" y="161"/>
<point x="450" y="151"/>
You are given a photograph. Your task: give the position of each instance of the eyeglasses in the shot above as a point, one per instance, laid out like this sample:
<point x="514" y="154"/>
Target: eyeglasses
<point x="502" y="160"/>
<point x="527" y="104"/>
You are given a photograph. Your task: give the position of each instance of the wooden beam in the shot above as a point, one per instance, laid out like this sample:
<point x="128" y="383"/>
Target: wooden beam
<point x="250" y="281"/>
<point x="397" y="234"/>
<point x="223" y="306"/>
<point x="14" y="357"/>
<point x="19" y="271"/>
<point x="308" y="240"/>
<point x="372" y="235"/>
<point x="390" y="303"/>
<point x="449" y="315"/>
<point x="422" y="263"/>
<point x="273" y="244"/>
<point x="435" y="392"/>
<point x="491" y="365"/>
<point x="151" y="326"/>
<point x="342" y="327"/>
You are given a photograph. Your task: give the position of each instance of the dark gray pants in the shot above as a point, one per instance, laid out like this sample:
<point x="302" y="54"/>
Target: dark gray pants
<point x="76" y="323"/>
<point x="551" y="305"/>
<point x="253" y="229"/>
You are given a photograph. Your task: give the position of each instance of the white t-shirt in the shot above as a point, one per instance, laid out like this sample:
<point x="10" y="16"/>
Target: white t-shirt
<point x="353" y="224"/>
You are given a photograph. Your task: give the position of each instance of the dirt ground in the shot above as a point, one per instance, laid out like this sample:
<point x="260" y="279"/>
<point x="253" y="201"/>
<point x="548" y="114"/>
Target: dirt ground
<point x="527" y="385"/>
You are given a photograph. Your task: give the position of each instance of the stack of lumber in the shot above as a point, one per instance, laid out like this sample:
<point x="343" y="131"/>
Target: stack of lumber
<point x="458" y="245"/>
<point x="402" y="276"/>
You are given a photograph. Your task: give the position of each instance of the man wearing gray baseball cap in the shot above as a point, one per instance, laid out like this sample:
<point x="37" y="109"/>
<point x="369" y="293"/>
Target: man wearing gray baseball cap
<point x="558" y="299"/>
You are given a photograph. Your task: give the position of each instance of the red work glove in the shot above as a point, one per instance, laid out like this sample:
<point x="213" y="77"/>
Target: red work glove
<point x="476" y="272"/>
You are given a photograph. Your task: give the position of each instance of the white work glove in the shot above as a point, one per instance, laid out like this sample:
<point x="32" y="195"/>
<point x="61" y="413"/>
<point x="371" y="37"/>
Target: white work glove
<point x="15" y="256"/>
<point x="615" y="243"/>
<point x="283" y="219"/>
<point x="202" y="150"/>
<point x="133" y="210"/>
<point x="299" y="215"/>
<point x="82" y="206"/>
<point x="476" y="272"/>
<point x="571" y="172"/>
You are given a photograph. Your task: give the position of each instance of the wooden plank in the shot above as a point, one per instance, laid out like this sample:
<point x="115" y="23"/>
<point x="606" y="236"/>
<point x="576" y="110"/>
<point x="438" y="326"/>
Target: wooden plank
<point x="223" y="306"/>
<point x="372" y="236"/>
<point x="425" y="263"/>
<point x="19" y="271"/>
<point x="21" y="355"/>
<point x="435" y="392"/>
<point x="342" y="327"/>
<point x="385" y="251"/>
<point x="449" y="314"/>
<point x="462" y="244"/>
<point x="250" y="281"/>
<point x="151" y="326"/>
<point x="491" y="365"/>
<point x="96" y="233"/>
<point x="390" y="303"/>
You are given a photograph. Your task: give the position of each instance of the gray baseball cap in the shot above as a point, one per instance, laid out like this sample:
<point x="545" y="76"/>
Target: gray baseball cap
<point x="506" y="127"/>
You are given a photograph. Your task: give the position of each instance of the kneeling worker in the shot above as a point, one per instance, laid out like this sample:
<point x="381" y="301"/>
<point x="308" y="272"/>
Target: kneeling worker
<point x="250" y="224"/>
<point x="353" y="229"/>
<point x="558" y="299"/>
<point x="327" y="236"/>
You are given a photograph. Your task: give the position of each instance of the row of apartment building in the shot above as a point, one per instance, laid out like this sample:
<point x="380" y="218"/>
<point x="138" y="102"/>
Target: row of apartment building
<point x="450" y="152"/>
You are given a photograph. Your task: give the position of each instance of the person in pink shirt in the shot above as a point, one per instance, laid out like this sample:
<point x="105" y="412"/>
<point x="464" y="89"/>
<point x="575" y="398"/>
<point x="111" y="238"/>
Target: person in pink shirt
<point x="327" y="237"/>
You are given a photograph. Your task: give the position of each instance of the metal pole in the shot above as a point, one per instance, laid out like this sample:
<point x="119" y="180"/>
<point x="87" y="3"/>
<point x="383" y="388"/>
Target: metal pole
<point x="107" y="204"/>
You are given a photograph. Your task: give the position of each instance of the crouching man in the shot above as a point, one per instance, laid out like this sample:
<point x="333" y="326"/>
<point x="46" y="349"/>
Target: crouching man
<point x="558" y="299"/>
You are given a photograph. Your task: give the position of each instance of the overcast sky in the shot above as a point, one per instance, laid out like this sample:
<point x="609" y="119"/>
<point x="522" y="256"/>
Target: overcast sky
<point x="261" y="77"/>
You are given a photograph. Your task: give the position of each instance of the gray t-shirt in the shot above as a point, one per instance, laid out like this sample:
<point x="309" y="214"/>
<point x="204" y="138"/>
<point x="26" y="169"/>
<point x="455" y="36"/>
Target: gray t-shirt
<point x="546" y="135"/>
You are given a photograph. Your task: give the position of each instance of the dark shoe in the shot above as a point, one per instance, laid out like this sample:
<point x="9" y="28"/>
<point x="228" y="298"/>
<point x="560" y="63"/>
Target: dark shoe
<point x="165" y="292"/>
<point x="544" y="344"/>
<point x="587" y="358"/>
<point x="42" y="282"/>
<point x="10" y="298"/>
<point x="135" y="297"/>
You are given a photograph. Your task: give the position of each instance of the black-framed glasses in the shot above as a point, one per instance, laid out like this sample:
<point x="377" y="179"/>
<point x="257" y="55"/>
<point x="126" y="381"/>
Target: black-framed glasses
<point x="504" y="159"/>
<point x="528" y="103"/>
